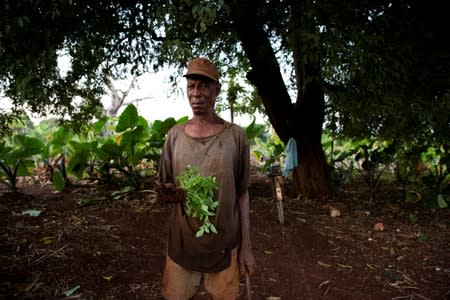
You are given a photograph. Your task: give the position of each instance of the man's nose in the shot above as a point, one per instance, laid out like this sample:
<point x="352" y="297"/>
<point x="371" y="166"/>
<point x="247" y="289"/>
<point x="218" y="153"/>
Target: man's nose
<point x="196" y="90"/>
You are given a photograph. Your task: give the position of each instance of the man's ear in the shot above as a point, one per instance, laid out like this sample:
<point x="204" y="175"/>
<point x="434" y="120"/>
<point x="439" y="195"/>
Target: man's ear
<point x="218" y="88"/>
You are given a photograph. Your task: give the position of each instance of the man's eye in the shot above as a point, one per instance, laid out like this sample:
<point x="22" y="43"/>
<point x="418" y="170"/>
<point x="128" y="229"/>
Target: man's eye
<point x="199" y="86"/>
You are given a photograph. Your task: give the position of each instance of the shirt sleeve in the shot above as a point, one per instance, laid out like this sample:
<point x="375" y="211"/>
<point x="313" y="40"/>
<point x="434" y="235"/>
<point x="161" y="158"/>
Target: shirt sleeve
<point x="243" y="178"/>
<point x="165" y="163"/>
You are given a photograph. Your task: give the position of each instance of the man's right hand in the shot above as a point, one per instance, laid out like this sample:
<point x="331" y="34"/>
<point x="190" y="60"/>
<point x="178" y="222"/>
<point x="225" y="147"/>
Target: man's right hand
<point x="169" y="193"/>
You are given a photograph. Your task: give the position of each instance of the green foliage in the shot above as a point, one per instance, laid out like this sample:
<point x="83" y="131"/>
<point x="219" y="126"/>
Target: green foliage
<point x="369" y="158"/>
<point x="56" y="139"/>
<point x="86" y="154"/>
<point x="123" y="152"/>
<point x="116" y="151"/>
<point x="200" y="201"/>
<point x="58" y="181"/>
<point x="81" y="157"/>
<point x="383" y="64"/>
<point x="128" y="149"/>
<point x="340" y="153"/>
<point x="385" y="82"/>
<point x="16" y="158"/>
<point x="241" y="97"/>
<point x="269" y="150"/>
<point x="407" y="159"/>
<point x="158" y="133"/>
<point x="420" y="171"/>
<point x="434" y="183"/>
<point x="254" y="130"/>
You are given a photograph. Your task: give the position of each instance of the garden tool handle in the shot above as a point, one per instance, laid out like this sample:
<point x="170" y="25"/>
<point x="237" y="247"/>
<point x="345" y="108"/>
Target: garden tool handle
<point x="248" y="285"/>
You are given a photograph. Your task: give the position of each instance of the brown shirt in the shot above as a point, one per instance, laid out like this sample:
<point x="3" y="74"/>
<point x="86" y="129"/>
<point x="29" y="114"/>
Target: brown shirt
<point x="224" y="155"/>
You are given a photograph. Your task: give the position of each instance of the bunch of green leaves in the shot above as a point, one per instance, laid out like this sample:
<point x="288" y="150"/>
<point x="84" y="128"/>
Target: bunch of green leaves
<point x="200" y="201"/>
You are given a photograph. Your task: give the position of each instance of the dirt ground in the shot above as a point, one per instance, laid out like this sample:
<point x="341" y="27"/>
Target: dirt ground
<point x="337" y="248"/>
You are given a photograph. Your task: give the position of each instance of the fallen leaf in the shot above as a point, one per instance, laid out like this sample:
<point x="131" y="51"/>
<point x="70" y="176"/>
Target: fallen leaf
<point x="48" y="239"/>
<point x="334" y="212"/>
<point x="323" y="264"/>
<point x="378" y="227"/>
<point x="108" y="278"/>
<point x="323" y="283"/>
<point x="345" y="266"/>
<point x="268" y="252"/>
<point x="31" y="212"/>
<point x="71" y="291"/>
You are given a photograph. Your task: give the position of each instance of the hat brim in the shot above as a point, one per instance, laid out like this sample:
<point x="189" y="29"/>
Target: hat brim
<point x="200" y="73"/>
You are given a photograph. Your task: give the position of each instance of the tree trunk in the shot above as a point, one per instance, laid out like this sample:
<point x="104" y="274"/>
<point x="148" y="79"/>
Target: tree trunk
<point x="302" y="120"/>
<point x="310" y="177"/>
<point x="117" y="96"/>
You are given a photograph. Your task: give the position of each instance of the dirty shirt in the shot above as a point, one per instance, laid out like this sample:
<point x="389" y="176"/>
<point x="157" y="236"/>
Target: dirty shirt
<point x="224" y="155"/>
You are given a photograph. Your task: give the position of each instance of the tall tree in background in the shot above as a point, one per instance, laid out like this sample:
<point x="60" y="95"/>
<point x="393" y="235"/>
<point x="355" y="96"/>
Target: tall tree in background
<point x="117" y="95"/>
<point x="380" y="67"/>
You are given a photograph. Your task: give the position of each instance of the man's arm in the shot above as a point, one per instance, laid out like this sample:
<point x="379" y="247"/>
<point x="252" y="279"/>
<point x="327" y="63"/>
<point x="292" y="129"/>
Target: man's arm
<point x="246" y="259"/>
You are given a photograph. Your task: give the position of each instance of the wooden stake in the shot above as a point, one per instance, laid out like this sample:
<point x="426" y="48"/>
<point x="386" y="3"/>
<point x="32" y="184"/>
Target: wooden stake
<point x="249" y="286"/>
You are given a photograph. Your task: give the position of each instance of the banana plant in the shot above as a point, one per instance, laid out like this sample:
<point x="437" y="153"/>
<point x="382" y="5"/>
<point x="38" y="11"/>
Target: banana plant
<point x="16" y="158"/>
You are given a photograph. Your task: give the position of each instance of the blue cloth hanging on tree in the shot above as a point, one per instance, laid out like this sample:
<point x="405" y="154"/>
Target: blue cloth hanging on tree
<point x="291" y="157"/>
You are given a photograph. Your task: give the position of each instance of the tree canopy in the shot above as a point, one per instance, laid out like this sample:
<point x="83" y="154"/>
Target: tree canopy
<point x="384" y="63"/>
<point x="362" y="68"/>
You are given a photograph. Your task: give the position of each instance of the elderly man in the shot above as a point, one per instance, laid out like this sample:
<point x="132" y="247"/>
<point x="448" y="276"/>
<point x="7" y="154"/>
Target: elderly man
<point x="217" y="148"/>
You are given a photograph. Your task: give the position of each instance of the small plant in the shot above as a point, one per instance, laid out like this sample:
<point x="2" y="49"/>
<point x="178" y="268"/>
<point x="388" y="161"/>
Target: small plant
<point x="373" y="158"/>
<point x="200" y="203"/>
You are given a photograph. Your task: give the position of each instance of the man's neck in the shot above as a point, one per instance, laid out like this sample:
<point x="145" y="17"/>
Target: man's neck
<point x="206" y="119"/>
<point x="202" y="126"/>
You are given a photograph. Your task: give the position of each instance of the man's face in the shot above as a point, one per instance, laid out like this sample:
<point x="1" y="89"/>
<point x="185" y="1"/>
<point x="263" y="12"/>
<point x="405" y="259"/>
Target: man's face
<point x="202" y="95"/>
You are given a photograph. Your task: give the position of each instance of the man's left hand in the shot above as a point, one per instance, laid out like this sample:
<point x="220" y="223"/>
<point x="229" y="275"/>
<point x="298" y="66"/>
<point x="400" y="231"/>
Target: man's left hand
<point x="246" y="260"/>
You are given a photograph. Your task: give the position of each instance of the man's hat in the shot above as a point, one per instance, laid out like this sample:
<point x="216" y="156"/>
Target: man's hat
<point x="203" y="67"/>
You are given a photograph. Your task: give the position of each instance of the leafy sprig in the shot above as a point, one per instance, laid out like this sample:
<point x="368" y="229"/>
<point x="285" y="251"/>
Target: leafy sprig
<point x="200" y="201"/>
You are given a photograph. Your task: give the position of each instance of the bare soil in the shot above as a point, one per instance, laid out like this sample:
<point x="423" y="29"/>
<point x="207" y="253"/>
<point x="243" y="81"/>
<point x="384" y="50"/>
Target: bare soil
<point x="337" y="248"/>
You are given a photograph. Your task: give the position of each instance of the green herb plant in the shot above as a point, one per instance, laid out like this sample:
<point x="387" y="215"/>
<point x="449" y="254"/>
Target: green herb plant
<point x="200" y="201"/>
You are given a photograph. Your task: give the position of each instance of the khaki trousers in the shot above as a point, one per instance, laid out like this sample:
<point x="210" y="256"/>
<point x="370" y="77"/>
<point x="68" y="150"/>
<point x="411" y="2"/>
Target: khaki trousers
<point x="182" y="284"/>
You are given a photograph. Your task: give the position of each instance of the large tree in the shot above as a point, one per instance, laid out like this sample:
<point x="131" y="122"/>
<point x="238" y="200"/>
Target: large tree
<point x="380" y="68"/>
